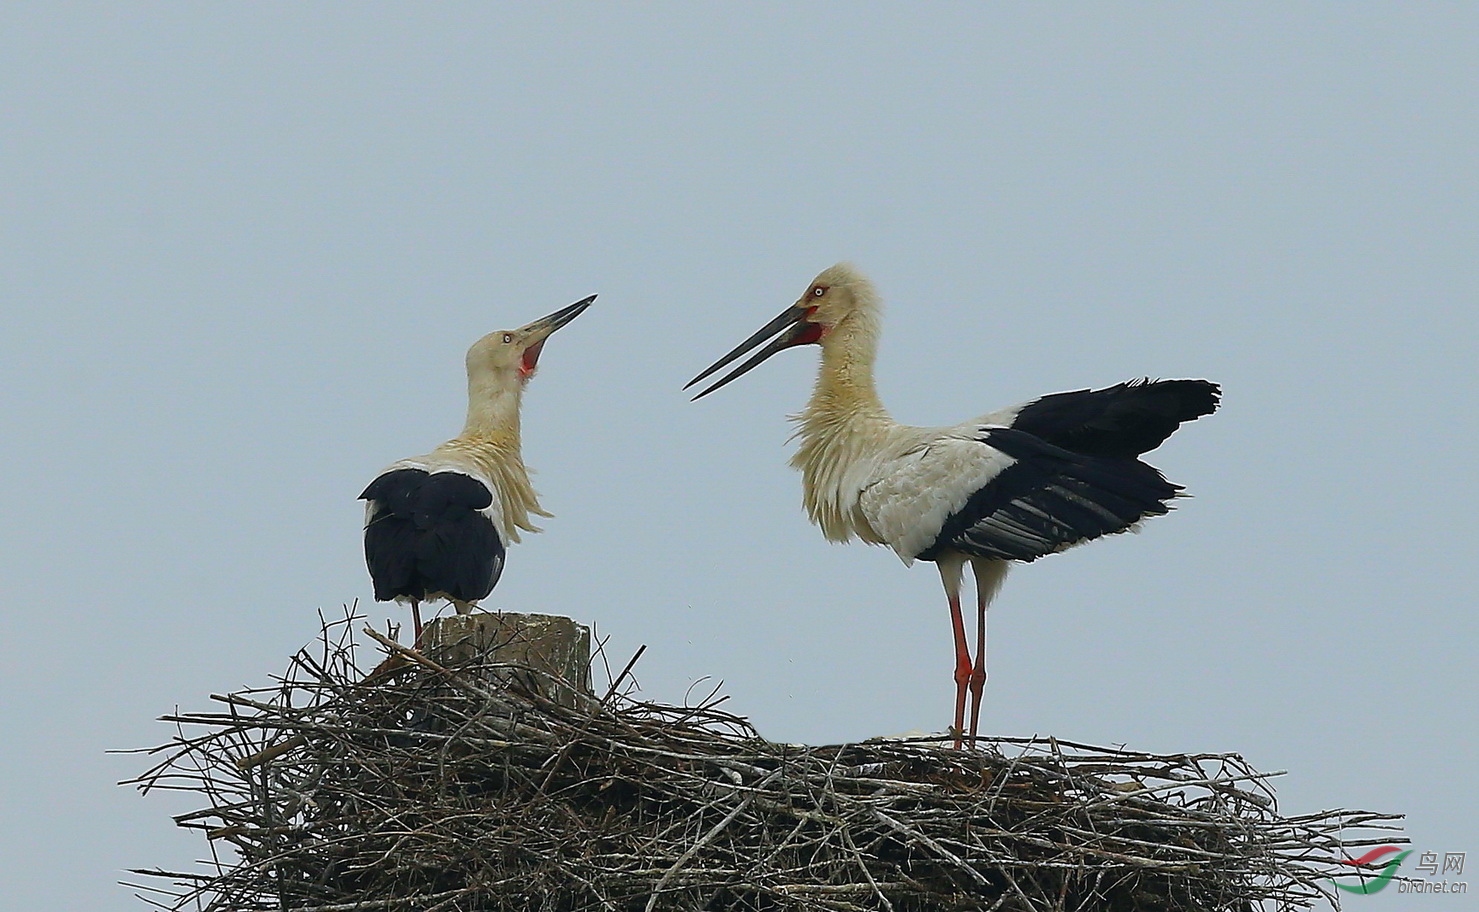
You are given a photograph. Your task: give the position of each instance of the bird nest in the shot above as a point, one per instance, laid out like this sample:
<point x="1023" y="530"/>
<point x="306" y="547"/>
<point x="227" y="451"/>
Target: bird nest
<point x="425" y="787"/>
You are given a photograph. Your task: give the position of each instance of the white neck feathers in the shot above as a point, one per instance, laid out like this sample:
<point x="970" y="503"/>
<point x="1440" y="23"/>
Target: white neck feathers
<point x="844" y="430"/>
<point x="490" y="444"/>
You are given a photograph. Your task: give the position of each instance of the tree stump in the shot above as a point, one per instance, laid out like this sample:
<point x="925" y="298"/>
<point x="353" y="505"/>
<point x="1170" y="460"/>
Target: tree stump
<point x="547" y="643"/>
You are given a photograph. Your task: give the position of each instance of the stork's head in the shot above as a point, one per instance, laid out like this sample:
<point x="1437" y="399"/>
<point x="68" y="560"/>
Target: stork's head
<point x="836" y="300"/>
<point x="509" y="357"/>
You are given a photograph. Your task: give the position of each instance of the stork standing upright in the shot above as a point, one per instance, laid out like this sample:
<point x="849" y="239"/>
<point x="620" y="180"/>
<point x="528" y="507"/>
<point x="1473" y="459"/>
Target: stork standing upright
<point x="1012" y="485"/>
<point x="438" y="526"/>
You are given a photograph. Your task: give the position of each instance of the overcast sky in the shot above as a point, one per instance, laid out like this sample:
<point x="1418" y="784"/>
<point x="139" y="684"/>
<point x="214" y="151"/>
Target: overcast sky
<point x="243" y="249"/>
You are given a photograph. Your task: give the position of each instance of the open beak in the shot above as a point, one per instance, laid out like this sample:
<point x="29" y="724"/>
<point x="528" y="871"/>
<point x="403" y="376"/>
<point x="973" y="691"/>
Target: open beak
<point x="537" y="332"/>
<point x="794" y="329"/>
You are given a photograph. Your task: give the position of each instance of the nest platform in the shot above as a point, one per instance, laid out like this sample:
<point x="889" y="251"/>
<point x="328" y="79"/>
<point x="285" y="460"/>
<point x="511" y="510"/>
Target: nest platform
<point x="463" y="786"/>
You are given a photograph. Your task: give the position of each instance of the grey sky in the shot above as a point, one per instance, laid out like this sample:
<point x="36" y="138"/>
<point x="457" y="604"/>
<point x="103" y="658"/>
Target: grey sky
<point x="243" y="250"/>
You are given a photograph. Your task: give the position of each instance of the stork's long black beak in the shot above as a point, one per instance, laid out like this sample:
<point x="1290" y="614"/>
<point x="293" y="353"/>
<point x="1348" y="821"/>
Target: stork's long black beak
<point x="534" y="334"/>
<point x="794" y="330"/>
<point x="541" y="328"/>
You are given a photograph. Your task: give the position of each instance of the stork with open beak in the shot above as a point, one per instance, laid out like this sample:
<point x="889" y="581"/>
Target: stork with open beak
<point x="438" y="526"/>
<point x="1012" y="485"/>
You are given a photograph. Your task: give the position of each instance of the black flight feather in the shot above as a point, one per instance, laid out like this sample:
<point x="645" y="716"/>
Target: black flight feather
<point x="1123" y="420"/>
<point x="1048" y="499"/>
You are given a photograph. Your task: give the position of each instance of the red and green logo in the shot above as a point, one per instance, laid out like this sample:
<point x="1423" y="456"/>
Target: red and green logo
<point x="1378" y="883"/>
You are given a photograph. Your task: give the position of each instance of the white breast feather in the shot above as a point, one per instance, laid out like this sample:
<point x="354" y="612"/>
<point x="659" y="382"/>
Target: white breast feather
<point x="915" y="493"/>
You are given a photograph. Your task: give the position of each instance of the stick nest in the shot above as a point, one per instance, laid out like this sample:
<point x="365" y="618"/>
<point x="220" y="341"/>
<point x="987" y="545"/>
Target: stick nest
<point x="422" y="787"/>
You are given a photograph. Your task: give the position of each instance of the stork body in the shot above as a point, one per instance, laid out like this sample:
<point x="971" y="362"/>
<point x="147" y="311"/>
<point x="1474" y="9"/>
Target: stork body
<point x="439" y="525"/>
<point x="1011" y="485"/>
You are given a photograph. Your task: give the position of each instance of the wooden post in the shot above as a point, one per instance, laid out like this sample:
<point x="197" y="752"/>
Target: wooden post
<point x="548" y="643"/>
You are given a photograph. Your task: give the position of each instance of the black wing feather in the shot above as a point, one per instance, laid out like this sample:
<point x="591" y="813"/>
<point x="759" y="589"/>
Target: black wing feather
<point x="1123" y="420"/>
<point x="427" y="535"/>
<point x="1050" y="498"/>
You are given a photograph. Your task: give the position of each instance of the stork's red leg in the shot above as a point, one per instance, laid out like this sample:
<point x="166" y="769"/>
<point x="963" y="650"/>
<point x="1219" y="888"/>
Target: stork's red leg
<point x="950" y="566"/>
<point x="416" y="619"/>
<point x="978" y="674"/>
<point x="963" y="670"/>
<point x="989" y="574"/>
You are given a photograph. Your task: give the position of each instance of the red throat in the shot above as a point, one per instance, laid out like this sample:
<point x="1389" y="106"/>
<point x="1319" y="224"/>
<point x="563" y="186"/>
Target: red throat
<point x="812" y="332"/>
<point x="530" y="360"/>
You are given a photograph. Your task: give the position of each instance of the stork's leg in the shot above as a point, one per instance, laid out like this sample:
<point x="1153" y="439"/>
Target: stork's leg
<point x="978" y="674"/>
<point x="950" y="567"/>
<point x="989" y="574"/>
<point x="416" y="619"/>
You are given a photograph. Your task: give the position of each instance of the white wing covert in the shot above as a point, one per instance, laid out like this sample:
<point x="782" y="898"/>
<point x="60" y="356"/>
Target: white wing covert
<point x="915" y="492"/>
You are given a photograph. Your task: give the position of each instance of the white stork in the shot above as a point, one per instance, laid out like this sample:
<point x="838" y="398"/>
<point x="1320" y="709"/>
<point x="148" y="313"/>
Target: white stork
<point x="437" y="526"/>
<point x="1012" y="485"/>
